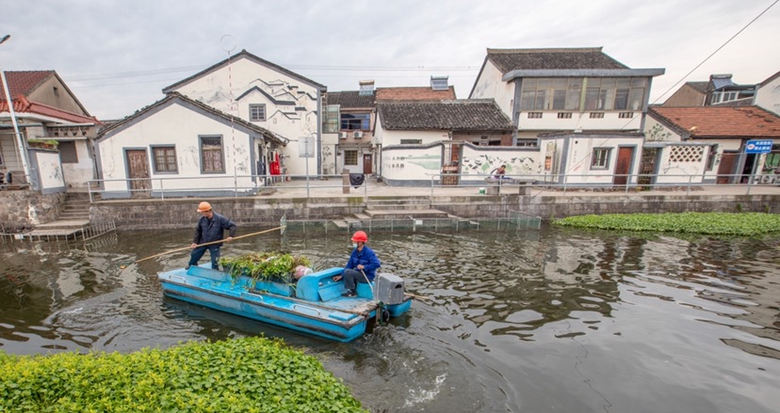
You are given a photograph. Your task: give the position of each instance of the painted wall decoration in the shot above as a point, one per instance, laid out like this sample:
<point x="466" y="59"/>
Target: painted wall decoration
<point x="483" y="164"/>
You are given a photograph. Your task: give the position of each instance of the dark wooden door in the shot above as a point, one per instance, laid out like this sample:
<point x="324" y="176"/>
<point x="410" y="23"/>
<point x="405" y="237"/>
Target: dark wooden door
<point x="367" y="164"/>
<point x="726" y="167"/>
<point x="623" y="166"/>
<point x="138" y="167"/>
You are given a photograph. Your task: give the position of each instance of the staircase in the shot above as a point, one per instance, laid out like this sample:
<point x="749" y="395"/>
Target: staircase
<point x="76" y="208"/>
<point x="409" y="213"/>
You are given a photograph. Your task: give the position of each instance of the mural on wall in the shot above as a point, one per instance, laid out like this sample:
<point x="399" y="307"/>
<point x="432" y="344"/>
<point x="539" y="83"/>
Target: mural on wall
<point x="658" y="134"/>
<point x="485" y="164"/>
<point x="329" y="165"/>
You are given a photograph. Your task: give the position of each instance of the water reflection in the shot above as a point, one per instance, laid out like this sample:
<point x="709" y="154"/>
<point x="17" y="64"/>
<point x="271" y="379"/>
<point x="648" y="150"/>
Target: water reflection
<point x="547" y="320"/>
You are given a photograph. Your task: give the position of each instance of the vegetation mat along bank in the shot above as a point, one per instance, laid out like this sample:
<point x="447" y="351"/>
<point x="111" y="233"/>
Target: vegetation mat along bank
<point x="240" y="375"/>
<point x="708" y="223"/>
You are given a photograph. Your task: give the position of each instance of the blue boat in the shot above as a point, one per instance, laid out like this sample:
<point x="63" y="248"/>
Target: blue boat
<point x="313" y="305"/>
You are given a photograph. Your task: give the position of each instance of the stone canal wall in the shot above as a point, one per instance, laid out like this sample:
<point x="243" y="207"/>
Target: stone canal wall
<point x="260" y="211"/>
<point x="25" y="209"/>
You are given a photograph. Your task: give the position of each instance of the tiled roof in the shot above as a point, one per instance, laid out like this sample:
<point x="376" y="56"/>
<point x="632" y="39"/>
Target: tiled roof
<point x="178" y="96"/>
<point x="23" y="82"/>
<point x="507" y="60"/>
<point x="22" y="106"/>
<point x="719" y="121"/>
<point x="414" y="93"/>
<point x="455" y="115"/>
<point x="351" y="99"/>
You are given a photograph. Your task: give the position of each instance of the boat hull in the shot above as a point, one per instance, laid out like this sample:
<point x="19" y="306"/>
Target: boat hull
<point x="339" y="318"/>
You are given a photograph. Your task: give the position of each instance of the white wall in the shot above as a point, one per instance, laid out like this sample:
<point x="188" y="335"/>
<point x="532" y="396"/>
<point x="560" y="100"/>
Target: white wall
<point x="216" y="88"/>
<point x="673" y="169"/>
<point x="180" y="126"/>
<point x="411" y="164"/>
<point x="580" y="120"/>
<point x="480" y="161"/>
<point x="78" y="174"/>
<point x="768" y="96"/>
<point x="490" y="86"/>
<point x="49" y="170"/>
<point x="578" y="163"/>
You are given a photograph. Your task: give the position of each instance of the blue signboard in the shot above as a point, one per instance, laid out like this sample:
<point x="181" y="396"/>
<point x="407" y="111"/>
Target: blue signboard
<point x="758" y="146"/>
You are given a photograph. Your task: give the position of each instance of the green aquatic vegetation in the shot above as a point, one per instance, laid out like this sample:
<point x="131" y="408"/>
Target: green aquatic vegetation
<point x="708" y="223"/>
<point x="263" y="266"/>
<point x="241" y="375"/>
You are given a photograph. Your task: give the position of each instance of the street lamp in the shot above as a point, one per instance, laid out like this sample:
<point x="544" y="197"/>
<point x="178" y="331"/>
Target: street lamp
<point x="13" y="115"/>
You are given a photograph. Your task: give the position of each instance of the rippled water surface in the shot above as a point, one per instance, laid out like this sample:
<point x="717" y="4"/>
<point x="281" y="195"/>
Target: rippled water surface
<point x="541" y="321"/>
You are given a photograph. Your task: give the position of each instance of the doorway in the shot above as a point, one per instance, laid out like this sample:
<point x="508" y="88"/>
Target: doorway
<point x="367" y="164"/>
<point x="623" y="166"/>
<point x="138" y="170"/>
<point x="726" y="167"/>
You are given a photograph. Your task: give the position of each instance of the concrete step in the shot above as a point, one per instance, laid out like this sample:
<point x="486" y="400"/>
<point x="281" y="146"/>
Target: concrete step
<point x="404" y="213"/>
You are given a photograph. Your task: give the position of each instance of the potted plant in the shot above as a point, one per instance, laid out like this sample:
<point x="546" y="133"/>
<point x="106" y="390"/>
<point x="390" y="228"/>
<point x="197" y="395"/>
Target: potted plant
<point x="39" y="143"/>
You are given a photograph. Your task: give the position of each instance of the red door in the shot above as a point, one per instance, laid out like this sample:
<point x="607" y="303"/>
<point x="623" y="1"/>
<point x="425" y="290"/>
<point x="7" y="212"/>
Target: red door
<point x="726" y="167"/>
<point x="623" y="166"/>
<point x="367" y="164"/>
<point x="138" y="167"/>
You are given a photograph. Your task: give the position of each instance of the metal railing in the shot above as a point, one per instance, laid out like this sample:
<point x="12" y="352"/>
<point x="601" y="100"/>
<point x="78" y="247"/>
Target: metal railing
<point x="337" y="185"/>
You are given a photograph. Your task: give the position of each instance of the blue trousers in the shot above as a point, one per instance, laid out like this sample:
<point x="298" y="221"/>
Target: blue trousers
<point x="352" y="277"/>
<point x="197" y="254"/>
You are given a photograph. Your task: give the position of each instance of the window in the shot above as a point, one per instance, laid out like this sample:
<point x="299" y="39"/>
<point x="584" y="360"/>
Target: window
<point x="164" y="158"/>
<point x="257" y="113"/>
<point x="355" y="121"/>
<point x="411" y="141"/>
<point x="330" y="123"/>
<point x="772" y="161"/>
<point x="212" y="160"/>
<point x="351" y="158"/>
<point x="609" y="93"/>
<point x="68" y="152"/>
<point x="564" y="115"/>
<point x="600" y="158"/>
<point x="626" y="115"/>
<point x="534" y="115"/>
<point x="720" y="97"/>
<point x="597" y="115"/>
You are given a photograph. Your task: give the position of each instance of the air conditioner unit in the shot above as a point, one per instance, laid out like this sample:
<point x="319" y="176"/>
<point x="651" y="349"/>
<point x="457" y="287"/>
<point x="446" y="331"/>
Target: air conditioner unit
<point x="358" y="134"/>
<point x="342" y="135"/>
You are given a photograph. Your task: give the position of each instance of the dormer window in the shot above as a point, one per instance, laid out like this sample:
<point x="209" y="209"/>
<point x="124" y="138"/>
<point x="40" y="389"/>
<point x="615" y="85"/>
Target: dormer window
<point x="440" y="83"/>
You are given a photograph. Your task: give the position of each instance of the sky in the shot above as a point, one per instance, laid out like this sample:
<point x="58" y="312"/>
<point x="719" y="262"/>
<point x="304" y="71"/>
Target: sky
<point x="117" y="56"/>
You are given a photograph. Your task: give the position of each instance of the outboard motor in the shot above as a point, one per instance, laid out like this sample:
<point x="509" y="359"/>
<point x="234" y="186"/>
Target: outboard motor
<point x="389" y="289"/>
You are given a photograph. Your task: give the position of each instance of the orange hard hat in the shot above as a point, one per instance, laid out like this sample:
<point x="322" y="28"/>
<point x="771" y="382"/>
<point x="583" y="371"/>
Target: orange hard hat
<point x="204" y="206"/>
<point x="360" y="236"/>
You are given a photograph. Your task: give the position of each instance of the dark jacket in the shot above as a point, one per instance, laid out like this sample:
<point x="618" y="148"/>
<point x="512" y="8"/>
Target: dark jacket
<point x="368" y="258"/>
<point x="213" y="229"/>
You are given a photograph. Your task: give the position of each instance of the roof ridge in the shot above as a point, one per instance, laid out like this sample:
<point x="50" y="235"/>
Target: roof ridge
<point x="546" y="50"/>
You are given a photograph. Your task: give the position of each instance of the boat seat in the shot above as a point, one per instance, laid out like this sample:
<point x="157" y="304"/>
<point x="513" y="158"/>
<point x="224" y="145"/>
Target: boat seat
<point x="320" y="286"/>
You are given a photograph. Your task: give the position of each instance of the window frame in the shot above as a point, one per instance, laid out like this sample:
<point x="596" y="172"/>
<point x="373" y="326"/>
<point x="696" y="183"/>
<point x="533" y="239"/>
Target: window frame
<point x="355" y="121"/>
<point x="204" y="151"/>
<point x="155" y="165"/>
<point x="600" y="158"/>
<point x="253" y="114"/>
<point x="348" y="153"/>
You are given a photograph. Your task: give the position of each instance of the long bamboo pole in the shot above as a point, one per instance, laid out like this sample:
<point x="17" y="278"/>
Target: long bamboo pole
<point x="203" y="245"/>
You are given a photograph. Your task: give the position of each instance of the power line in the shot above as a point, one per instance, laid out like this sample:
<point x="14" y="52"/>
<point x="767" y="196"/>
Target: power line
<point x="716" y="50"/>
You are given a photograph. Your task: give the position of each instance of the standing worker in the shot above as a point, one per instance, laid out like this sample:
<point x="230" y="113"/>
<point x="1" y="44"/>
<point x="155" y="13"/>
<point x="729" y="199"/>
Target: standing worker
<point x="211" y="227"/>
<point x="361" y="267"/>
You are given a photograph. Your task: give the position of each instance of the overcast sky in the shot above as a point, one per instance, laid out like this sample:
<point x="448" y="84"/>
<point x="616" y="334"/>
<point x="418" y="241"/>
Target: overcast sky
<point x="117" y="56"/>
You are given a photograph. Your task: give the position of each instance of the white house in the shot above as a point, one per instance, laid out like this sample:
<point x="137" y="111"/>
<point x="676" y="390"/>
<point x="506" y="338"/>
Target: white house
<point x="45" y="111"/>
<point x="768" y="94"/>
<point x="721" y="133"/>
<point x="268" y="96"/>
<point x="182" y="147"/>
<point x="568" y="89"/>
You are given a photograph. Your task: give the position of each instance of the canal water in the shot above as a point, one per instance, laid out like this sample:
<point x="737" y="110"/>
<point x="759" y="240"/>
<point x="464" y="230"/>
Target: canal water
<point x="555" y="320"/>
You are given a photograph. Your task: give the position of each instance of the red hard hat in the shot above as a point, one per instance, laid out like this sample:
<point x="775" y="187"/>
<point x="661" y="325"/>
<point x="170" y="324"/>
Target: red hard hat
<point x="360" y="236"/>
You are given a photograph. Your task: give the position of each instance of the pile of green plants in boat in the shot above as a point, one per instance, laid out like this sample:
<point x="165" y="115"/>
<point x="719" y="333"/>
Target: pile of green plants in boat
<point x="240" y="375"/>
<point x="708" y="223"/>
<point x="264" y="266"/>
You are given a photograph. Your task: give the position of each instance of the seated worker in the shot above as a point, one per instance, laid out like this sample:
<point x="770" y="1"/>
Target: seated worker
<point x="500" y="173"/>
<point x="361" y="267"/>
